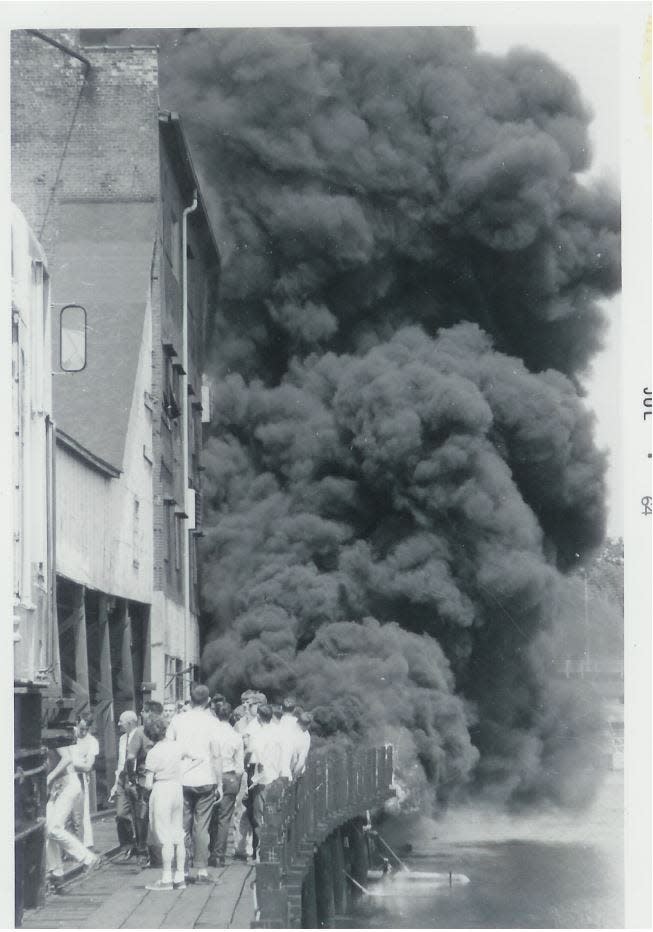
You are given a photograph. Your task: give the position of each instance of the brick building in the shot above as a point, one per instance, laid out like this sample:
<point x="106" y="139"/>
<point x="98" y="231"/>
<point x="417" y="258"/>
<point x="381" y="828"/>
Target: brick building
<point x="106" y="182"/>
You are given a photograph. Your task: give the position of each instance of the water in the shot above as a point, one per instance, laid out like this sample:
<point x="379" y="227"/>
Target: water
<point x="562" y="873"/>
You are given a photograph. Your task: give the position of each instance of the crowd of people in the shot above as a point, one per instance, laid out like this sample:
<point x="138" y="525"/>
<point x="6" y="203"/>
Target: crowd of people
<point x="184" y="776"/>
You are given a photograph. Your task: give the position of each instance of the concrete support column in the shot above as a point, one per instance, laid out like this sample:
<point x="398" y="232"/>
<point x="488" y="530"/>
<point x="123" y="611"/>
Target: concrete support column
<point x="82" y="692"/>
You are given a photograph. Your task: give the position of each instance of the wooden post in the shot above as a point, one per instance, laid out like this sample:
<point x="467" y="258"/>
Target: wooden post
<point x="359" y="854"/>
<point x="81" y="687"/>
<point x="105" y="719"/>
<point x="324" y="894"/>
<point x="340" y="882"/>
<point x="309" y="904"/>
<point x="123" y="667"/>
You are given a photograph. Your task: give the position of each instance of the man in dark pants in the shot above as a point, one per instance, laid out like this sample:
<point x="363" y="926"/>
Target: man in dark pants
<point x="119" y="792"/>
<point x="196" y="731"/>
<point x="266" y="752"/>
<point x="138" y="746"/>
<point x="231" y="753"/>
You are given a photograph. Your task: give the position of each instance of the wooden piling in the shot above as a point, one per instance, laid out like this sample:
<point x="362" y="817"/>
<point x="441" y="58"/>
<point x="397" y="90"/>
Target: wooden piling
<point x="324" y="892"/>
<point x="340" y="882"/>
<point x="309" y="902"/>
<point x="313" y="836"/>
<point x="360" y="861"/>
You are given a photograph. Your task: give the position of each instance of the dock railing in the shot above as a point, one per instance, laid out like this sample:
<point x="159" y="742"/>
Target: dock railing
<point x="338" y="785"/>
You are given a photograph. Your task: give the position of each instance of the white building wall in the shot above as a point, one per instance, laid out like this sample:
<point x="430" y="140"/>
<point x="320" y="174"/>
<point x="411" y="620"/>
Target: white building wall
<point x="104" y="525"/>
<point x="35" y="649"/>
<point x="168" y="637"/>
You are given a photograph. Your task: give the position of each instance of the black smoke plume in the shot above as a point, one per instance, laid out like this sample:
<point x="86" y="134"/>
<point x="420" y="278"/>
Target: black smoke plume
<point x="401" y="464"/>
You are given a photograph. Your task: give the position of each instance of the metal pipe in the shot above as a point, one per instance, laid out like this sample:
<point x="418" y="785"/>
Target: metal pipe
<point x="356" y="883"/>
<point x="62" y="48"/>
<point x="385" y="844"/>
<point x="184" y="411"/>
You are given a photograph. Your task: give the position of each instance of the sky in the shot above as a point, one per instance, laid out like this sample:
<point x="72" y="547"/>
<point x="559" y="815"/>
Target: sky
<point x="591" y="55"/>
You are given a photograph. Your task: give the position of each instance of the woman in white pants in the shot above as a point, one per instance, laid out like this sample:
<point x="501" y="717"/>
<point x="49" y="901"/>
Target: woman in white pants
<point x="64" y="793"/>
<point x="164" y="769"/>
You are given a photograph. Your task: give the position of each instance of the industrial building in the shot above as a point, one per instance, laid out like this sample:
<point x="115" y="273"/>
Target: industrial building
<point x="106" y="183"/>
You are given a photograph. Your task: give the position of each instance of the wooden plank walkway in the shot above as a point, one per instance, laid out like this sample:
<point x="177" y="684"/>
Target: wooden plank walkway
<point x="115" y="897"/>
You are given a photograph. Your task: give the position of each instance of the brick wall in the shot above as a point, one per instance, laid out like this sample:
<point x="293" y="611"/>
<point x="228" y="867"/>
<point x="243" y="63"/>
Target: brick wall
<point x="79" y="133"/>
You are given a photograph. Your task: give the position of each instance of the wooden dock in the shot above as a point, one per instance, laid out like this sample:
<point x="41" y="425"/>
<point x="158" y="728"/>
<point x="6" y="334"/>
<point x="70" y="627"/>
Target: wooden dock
<point x="115" y="897"/>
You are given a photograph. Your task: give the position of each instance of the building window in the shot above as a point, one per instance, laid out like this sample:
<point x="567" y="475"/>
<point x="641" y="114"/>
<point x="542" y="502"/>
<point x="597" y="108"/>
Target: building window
<point x="174" y="681"/>
<point x="72" y="338"/>
<point x="171" y="390"/>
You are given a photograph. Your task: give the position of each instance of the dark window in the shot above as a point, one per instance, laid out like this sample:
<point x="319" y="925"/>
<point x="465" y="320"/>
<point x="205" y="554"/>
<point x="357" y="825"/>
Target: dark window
<point x="171" y="390"/>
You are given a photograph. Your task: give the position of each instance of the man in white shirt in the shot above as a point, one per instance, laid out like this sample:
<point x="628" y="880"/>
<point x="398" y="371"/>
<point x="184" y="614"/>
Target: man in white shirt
<point x="265" y="756"/>
<point x="290" y="732"/>
<point x="197" y="732"/>
<point x="302" y="745"/>
<point x="287" y="738"/>
<point x="231" y="752"/>
<point x="247" y="725"/>
<point x="124" y="824"/>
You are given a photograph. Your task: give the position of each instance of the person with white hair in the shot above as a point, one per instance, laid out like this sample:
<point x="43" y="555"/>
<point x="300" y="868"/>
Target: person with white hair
<point x="124" y="822"/>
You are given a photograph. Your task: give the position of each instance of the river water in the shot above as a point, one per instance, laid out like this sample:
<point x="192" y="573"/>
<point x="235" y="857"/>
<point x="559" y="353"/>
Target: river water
<point x="551" y="870"/>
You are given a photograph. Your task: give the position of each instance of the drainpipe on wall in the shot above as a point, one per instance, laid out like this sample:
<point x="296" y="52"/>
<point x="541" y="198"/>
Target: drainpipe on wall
<point x="184" y="416"/>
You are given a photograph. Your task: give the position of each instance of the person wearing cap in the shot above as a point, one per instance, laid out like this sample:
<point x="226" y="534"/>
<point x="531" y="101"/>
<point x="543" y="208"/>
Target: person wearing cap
<point x="302" y="745"/>
<point x="124" y="821"/>
<point x="231" y="752"/>
<point x="247" y="725"/>
<point x="199" y="740"/>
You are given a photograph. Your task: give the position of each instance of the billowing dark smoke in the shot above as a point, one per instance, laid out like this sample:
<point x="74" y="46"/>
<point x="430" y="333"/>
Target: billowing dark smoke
<point x="401" y="464"/>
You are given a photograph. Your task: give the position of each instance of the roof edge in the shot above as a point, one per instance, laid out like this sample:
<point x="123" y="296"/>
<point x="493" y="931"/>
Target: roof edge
<point x="172" y="119"/>
<point x="95" y="462"/>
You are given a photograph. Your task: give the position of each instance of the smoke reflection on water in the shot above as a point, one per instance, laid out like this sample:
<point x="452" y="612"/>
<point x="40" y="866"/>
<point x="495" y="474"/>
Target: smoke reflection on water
<point x="544" y="870"/>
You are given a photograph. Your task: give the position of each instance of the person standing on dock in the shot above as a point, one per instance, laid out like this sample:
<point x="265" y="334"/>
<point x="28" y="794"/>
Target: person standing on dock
<point x="232" y="754"/>
<point x="163" y="766"/>
<point x="289" y="736"/>
<point x="266" y="753"/>
<point x="138" y="746"/>
<point x="286" y="743"/>
<point x="124" y="821"/>
<point x="246" y="725"/>
<point x="196" y="732"/>
<point x="302" y="745"/>
<point x="84" y="752"/>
